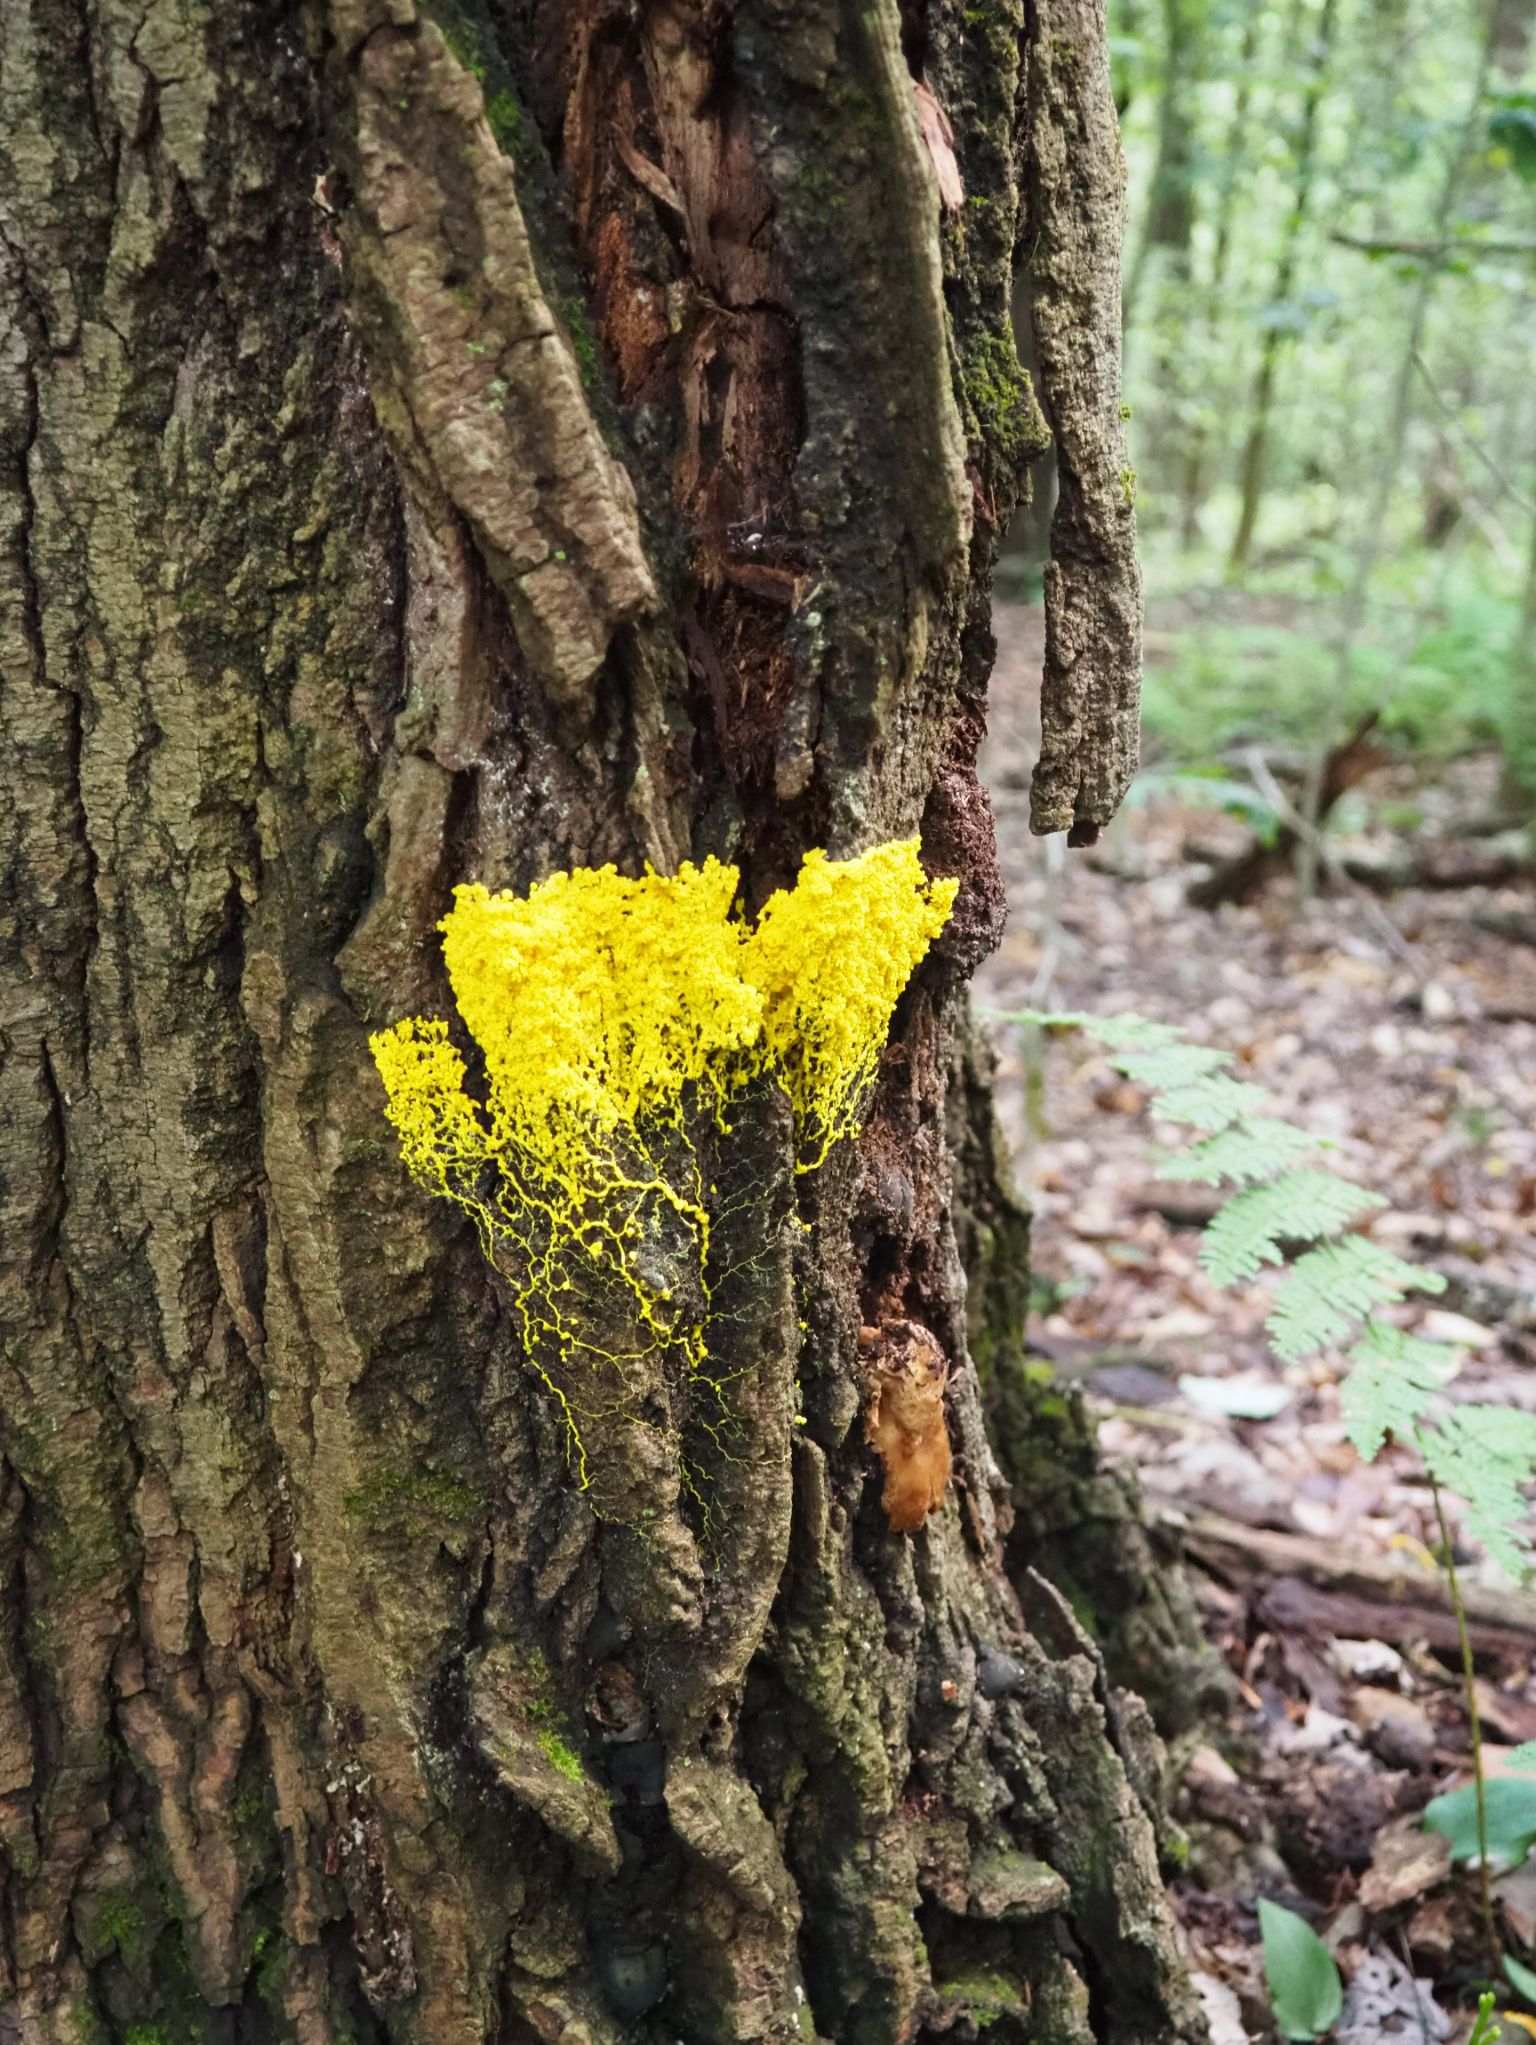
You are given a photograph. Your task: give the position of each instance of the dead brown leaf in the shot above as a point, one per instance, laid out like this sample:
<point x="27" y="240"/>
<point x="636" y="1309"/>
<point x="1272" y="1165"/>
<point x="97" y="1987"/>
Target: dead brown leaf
<point x="1407" y="1860"/>
<point x="939" y="137"/>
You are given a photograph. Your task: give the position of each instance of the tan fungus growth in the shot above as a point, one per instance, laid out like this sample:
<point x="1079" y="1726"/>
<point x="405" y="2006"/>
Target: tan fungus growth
<point x="906" y="1372"/>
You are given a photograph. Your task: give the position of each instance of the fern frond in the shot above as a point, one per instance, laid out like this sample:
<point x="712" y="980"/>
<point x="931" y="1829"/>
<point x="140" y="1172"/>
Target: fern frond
<point x="1298" y="1207"/>
<point x="1128" y="1031"/>
<point x="1485" y="1454"/>
<point x="1171" y="1065"/>
<point x="1212" y="1103"/>
<point x="1392" y="1377"/>
<point x="1247" y="1151"/>
<point x="1188" y="1082"/>
<point x="1326" y="1291"/>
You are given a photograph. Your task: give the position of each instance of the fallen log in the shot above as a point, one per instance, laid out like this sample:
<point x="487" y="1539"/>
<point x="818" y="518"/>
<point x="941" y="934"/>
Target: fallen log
<point x="1323" y="1588"/>
<point x="1243" y="877"/>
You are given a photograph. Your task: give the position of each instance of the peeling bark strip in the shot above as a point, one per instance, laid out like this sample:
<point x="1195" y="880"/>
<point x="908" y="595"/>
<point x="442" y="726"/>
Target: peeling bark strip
<point x="329" y="1710"/>
<point x="1090" y="698"/>
<point x="474" y="380"/>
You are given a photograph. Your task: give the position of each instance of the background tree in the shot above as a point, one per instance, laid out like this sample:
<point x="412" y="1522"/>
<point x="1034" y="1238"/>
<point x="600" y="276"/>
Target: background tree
<point x="1333" y="425"/>
<point x="474" y="445"/>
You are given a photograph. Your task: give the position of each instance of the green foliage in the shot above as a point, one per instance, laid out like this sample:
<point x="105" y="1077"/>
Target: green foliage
<point x="1298" y="1206"/>
<point x="1485" y="1454"/>
<point x="413" y="1502"/>
<point x="120" y="1924"/>
<point x="1510" y="1802"/>
<point x="1486" y="2025"/>
<point x="1445" y="675"/>
<point x="270" y="1959"/>
<point x="1512" y="129"/>
<point x="1521" y="1979"/>
<point x="990" y="1996"/>
<point x="1304" y="1985"/>
<point x="1332" y="1295"/>
<point x="561" y="1757"/>
<point x="1211" y="1104"/>
<point x="1334" y="1286"/>
<point x="1000" y="394"/>
<point x="1253" y="1149"/>
<point x="1207" y="787"/>
<point x="1394" y="1377"/>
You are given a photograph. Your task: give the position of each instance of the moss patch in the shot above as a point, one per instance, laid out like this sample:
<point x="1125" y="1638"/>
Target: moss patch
<point x="1001" y="399"/>
<point x="990" y="1996"/>
<point x="562" y="1758"/>
<point x="413" y="1502"/>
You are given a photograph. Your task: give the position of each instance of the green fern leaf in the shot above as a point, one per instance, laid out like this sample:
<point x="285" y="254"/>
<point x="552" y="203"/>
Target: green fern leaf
<point x="1486" y="1454"/>
<point x="1392" y="1377"/>
<point x="1171" y="1065"/>
<point x="1299" y="1207"/>
<point x="1212" y="1103"/>
<point x="1128" y="1031"/>
<point x="1325" y="1292"/>
<point x="1115" y="1032"/>
<point x="1248" y="1151"/>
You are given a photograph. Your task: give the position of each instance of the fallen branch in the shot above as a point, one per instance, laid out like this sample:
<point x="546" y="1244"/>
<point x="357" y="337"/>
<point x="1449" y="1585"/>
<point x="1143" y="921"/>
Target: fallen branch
<point x="1433" y="251"/>
<point x="1240" y="879"/>
<point x="1517" y="924"/>
<point x="1325" y="1588"/>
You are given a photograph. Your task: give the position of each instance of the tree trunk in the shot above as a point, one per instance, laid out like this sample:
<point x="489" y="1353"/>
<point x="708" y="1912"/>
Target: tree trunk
<point x="1513" y="22"/>
<point x="1169" y="227"/>
<point x="470" y="447"/>
<point x="1213" y="309"/>
<point x="1253" y="472"/>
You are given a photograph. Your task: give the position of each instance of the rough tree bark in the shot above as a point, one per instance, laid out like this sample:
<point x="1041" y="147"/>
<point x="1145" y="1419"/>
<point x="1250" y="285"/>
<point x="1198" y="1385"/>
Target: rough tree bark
<point x="470" y="444"/>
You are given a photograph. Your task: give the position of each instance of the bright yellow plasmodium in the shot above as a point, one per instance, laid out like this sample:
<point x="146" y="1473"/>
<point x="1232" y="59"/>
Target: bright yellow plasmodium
<point x="611" y="1015"/>
<point x="830" y="957"/>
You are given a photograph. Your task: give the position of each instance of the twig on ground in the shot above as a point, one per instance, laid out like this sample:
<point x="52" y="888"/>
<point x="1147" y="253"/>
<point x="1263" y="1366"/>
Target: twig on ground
<point x="1285" y="809"/>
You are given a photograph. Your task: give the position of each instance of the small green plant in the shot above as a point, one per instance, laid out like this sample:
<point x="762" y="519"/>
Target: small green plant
<point x="1485" y="2025"/>
<point x="560" y="1755"/>
<point x="1509" y="1813"/>
<point x="1521" y="1979"/>
<point x="1304" y="1987"/>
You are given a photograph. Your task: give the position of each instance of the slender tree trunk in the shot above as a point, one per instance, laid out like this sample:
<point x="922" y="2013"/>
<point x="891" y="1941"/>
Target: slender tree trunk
<point x="1159" y="280"/>
<point x="471" y="446"/>
<point x="1127" y="21"/>
<point x="1255" y="457"/>
<point x="1229" y="186"/>
<point x="1169" y="226"/>
<point x="1513" y="23"/>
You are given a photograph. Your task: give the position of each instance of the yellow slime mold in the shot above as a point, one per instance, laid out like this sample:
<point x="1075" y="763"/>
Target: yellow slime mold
<point x="616" y="1019"/>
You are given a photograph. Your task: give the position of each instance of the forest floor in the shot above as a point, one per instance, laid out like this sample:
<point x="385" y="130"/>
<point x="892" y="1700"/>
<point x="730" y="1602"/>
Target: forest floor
<point x="1401" y="1026"/>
